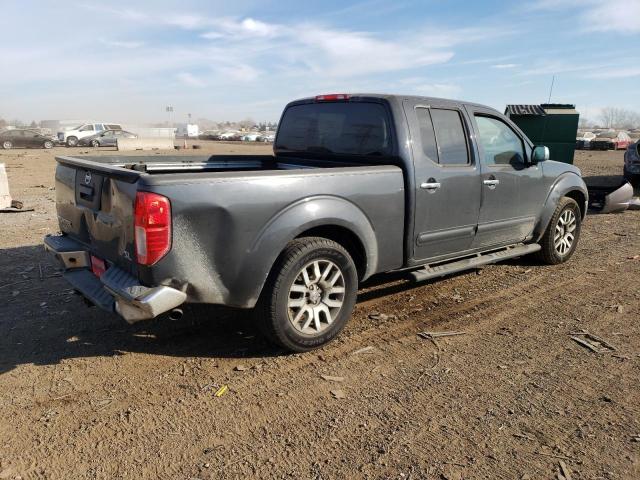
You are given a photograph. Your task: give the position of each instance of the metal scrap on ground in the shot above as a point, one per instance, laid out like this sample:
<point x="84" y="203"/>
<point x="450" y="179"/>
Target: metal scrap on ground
<point x="431" y="335"/>
<point x="592" y="342"/>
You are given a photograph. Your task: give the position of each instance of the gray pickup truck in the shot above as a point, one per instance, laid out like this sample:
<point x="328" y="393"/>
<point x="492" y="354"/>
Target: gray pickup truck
<point x="357" y="185"/>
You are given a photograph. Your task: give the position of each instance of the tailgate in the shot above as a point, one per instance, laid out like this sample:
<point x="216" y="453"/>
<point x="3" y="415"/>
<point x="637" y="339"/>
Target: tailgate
<point x="95" y="203"/>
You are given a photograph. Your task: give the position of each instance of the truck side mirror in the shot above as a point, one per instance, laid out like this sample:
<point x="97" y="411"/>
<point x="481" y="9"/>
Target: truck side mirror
<point x="540" y="154"/>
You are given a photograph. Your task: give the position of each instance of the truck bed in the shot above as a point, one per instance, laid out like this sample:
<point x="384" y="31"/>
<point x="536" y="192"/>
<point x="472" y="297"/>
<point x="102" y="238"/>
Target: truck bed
<point x="129" y="167"/>
<point x="231" y="215"/>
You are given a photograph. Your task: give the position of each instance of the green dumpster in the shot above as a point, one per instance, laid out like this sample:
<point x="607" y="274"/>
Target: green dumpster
<point x="552" y="124"/>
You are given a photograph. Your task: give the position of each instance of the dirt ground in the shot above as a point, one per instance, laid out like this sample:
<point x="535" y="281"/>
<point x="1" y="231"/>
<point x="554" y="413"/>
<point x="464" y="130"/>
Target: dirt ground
<point x="84" y="395"/>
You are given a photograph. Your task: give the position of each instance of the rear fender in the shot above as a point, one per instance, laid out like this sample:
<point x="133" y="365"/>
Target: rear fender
<point x="288" y="224"/>
<point x="564" y="185"/>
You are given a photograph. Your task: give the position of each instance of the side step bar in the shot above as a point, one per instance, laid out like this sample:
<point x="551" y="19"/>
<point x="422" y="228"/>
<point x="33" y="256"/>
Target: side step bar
<point x="480" y="259"/>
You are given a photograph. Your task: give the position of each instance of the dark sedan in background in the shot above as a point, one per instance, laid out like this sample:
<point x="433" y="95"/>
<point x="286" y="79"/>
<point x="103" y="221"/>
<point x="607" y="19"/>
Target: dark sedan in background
<point x="25" y="138"/>
<point x="107" y="138"/>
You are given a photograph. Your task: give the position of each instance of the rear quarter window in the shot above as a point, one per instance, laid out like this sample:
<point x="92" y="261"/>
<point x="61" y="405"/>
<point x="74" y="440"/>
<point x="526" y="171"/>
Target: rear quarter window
<point x="344" y="128"/>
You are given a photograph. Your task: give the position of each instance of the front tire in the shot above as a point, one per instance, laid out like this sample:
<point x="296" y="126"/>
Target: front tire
<point x="72" y="141"/>
<point x="561" y="238"/>
<point x="95" y="143"/>
<point x="7" y="145"/>
<point x="309" y="295"/>
<point x="48" y="144"/>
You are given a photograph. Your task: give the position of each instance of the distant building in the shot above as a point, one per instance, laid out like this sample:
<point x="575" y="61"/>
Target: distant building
<point x="190" y="130"/>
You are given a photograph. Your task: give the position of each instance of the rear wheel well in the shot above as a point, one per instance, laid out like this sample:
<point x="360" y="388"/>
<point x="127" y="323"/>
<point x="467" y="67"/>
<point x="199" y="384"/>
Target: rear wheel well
<point x="347" y="239"/>
<point x="579" y="197"/>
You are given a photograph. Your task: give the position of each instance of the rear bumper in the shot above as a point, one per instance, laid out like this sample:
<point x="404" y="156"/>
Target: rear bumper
<point x="116" y="290"/>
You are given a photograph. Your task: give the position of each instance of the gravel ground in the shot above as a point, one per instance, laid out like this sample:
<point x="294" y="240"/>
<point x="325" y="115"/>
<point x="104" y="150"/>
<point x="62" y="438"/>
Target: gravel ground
<point x="84" y="395"/>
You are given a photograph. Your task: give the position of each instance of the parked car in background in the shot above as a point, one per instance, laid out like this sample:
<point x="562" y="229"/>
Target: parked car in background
<point x="357" y="185"/>
<point x="209" y="135"/>
<point x="583" y="142"/>
<point x="632" y="163"/>
<point x="270" y="138"/>
<point x="71" y="137"/>
<point x="107" y="138"/>
<point x="231" y="136"/>
<point x="251" y="137"/>
<point x="25" y="138"/>
<point x="611" y="141"/>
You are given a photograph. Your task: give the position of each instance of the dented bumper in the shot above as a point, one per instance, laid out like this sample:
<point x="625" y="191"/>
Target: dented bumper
<point x="115" y="290"/>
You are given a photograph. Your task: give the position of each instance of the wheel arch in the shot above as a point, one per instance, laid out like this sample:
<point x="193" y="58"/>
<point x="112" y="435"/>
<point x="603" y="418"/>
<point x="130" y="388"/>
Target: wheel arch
<point x="567" y="185"/>
<point x="325" y="216"/>
<point x="344" y="237"/>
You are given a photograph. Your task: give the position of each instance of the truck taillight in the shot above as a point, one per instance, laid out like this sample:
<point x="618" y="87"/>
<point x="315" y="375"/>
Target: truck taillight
<point x="152" y="227"/>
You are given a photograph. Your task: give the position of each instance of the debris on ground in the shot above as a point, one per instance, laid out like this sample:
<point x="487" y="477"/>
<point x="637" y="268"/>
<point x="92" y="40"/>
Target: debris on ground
<point x="338" y="394"/>
<point x="381" y="316"/>
<point x="221" y="391"/>
<point x="240" y="368"/>
<point x="564" y="473"/>
<point x="430" y="335"/>
<point x="592" y="342"/>
<point x="330" y="378"/>
<point x="364" y="350"/>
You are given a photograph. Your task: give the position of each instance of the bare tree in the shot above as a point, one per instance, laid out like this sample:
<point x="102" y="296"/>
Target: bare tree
<point x="585" y="123"/>
<point x="612" y="117"/>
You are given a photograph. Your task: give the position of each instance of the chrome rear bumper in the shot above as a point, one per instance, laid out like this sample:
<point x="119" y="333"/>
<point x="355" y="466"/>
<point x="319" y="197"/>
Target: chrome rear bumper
<point x="116" y="290"/>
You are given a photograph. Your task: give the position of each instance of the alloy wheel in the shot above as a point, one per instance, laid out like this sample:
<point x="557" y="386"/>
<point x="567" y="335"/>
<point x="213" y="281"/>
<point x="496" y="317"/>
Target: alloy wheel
<point x="564" y="233"/>
<point x="316" y="297"/>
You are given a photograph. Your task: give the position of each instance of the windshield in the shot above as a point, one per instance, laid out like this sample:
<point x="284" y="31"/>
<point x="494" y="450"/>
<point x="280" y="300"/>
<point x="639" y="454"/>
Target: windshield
<point x="343" y="128"/>
<point x="607" y="135"/>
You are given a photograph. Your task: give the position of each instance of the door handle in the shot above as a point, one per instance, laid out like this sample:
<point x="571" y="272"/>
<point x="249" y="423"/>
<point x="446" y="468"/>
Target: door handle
<point x="430" y="184"/>
<point x="491" y="182"/>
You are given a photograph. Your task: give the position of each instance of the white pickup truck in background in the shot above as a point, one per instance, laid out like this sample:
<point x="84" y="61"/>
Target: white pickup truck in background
<point x="71" y="137"/>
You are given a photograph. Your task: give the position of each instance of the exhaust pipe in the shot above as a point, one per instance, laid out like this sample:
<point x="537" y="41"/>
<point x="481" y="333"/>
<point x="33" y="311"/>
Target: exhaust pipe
<point x="176" y="314"/>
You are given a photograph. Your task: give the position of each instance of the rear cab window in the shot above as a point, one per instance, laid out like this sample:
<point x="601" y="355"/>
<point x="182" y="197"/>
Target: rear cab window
<point x="340" y="128"/>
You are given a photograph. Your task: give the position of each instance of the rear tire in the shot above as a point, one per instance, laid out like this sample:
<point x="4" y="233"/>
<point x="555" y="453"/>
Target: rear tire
<point x="48" y="144"/>
<point x="72" y="141"/>
<point x="7" y="145"/>
<point x="633" y="179"/>
<point x="309" y="295"/>
<point x="562" y="235"/>
<point x="95" y="143"/>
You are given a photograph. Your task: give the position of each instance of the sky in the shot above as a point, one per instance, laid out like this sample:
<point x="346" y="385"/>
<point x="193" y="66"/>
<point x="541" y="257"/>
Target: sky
<point x="126" y="61"/>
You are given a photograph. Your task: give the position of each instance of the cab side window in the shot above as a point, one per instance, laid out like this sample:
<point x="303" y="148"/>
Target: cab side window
<point x="87" y="128"/>
<point x="427" y="135"/>
<point x="500" y="144"/>
<point x="450" y="137"/>
<point x="443" y="136"/>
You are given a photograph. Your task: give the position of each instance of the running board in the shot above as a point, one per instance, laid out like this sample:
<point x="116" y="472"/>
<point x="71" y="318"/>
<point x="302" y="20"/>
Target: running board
<point x="428" y="273"/>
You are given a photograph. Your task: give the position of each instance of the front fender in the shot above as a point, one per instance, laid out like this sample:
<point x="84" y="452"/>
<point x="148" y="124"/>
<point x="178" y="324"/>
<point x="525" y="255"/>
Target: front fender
<point x="564" y="184"/>
<point x="289" y="223"/>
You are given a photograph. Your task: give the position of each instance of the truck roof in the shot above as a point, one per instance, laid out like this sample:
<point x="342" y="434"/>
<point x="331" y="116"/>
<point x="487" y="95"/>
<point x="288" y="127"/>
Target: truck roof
<point x="399" y="98"/>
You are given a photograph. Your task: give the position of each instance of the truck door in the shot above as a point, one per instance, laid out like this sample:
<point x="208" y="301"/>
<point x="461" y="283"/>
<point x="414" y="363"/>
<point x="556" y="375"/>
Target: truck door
<point x="512" y="191"/>
<point x="447" y="196"/>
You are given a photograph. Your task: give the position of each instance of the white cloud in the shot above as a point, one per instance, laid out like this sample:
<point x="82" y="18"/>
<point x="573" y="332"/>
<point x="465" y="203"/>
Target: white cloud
<point x="438" y="89"/>
<point x="619" y="16"/>
<point x="504" y="66"/>
<point x="620" y="72"/>
<point x="190" y="80"/>
<point x="121" y="43"/>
